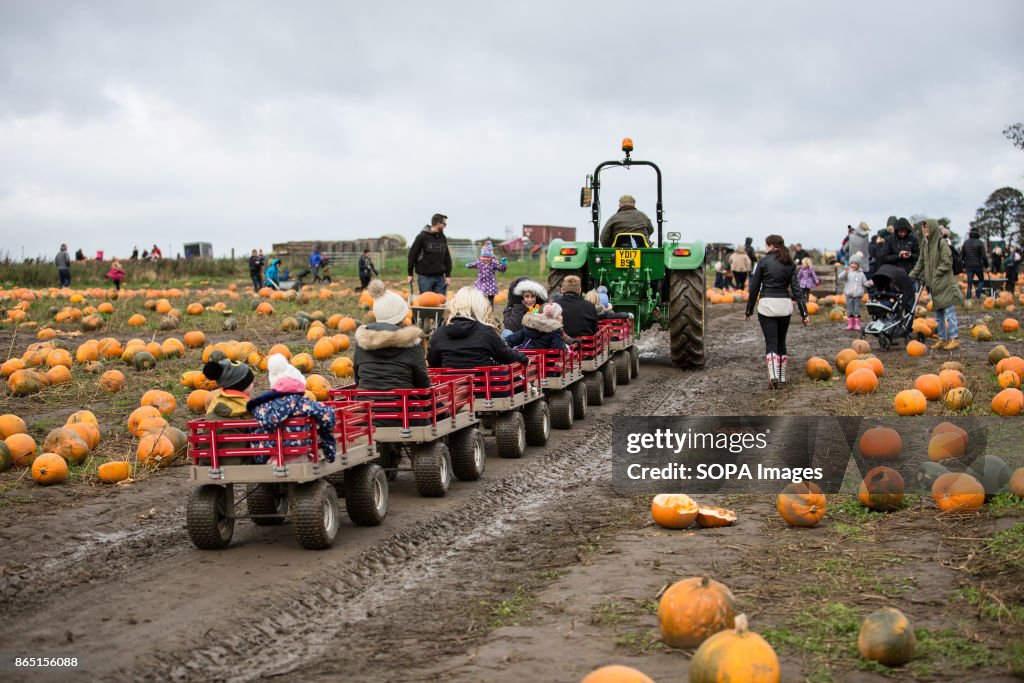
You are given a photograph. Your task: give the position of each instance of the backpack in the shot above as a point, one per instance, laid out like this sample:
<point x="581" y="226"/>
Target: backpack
<point x="958" y="261"/>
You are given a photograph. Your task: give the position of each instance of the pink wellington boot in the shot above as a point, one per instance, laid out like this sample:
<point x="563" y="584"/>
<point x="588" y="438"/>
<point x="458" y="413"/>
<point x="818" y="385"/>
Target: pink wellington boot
<point x="856" y="323"/>
<point x="849" y="322"/>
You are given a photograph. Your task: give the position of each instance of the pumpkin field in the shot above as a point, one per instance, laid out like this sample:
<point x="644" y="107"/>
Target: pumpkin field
<point x="539" y="571"/>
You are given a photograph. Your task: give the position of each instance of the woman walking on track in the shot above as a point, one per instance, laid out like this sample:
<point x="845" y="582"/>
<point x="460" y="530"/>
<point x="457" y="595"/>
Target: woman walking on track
<point x="773" y="287"/>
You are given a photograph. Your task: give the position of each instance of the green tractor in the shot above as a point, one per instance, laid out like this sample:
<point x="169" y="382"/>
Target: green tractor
<point x="660" y="284"/>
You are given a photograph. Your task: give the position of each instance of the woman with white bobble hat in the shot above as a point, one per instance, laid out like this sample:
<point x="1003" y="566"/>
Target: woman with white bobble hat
<point x="389" y="356"/>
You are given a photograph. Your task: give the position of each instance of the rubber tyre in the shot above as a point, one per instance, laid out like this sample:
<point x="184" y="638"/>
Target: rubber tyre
<point x="315" y="514"/>
<point x="266" y="499"/>
<point x="510" y="433"/>
<point x="580" y="402"/>
<point x="366" y="494"/>
<point x="561" y="406"/>
<point x="594" y="382"/>
<point x="337" y="480"/>
<point x="608" y="373"/>
<point x="634" y="361"/>
<point x="538" y="423"/>
<point x="432" y="469"/>
<point x="687" y="293"/>
<point x="390" y="458"/>
<point x="623" y="374"/>
<point x="468" y="456"/>
<point x="206" y="517"/>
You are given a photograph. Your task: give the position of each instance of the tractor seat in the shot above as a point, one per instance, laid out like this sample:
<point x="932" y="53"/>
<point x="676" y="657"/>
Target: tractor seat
<point x="631" y="240"/>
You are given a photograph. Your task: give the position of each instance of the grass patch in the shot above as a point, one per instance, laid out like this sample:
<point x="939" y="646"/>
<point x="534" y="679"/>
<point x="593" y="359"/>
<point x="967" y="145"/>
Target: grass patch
<point x="990" y="606"/>
<point x="608" y="614"/>
<point x="1007" y="547"/>
<point x="1006" y="504"/>
<point x="510" y="611"/>
<point x="640" y="642"/>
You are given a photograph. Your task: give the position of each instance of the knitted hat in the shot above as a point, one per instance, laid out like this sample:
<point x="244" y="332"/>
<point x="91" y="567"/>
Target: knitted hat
<point x="229" y="374"/>
<point x="488" y="250"/>
<point x="856" y="258"/>
<point x="388" y="307"/>
<point x="284" y="376"/>
<point x="975" y="232"/>
<point x="903" y="224"/>
<point x="627" y="199"/>
<point x="602" y="294"/>
<point x="553" y="311"/>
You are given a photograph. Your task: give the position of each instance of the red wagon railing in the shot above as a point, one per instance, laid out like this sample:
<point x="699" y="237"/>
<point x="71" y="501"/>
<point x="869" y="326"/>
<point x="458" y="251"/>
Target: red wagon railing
<point x="436" y="403"/>
<point x="495" y="381"/>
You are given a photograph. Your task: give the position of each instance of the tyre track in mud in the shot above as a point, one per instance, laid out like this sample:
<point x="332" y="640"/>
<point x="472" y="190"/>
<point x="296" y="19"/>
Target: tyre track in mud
<point x="300" y="627"/>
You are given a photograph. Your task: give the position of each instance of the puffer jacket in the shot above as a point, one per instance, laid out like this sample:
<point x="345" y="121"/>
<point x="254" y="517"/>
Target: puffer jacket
<point x="390" y="357"/>
<point x="773" y="279"/>
<point x="272" y="408"/>
<point x="973" y="254"/>
<point x="538" y="332"/>
<point x="935" y="266"/>
<point x="894" y="244"/>
<point x="467" y="343"/>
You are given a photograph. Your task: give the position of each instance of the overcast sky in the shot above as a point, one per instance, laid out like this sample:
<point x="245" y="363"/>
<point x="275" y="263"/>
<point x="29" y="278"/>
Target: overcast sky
<point x="246" y="123"/>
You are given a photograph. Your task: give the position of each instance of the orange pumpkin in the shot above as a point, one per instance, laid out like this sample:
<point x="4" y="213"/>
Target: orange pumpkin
<point x="958" y="492"/>
<point x="140" y="414"/>
<point x="67" y="444"/>
<point x="862" y="381"/>
<point x="818" y="369"/>
<point x="112" y="381"/>
<point x="11" y="366"/>
<point x="319" y="386"/>
<point x="195" y="309"/>
<point x="674" y="510"/>
<point x="114" y="471"/>
<point x="59" y="357"/>
<point x="341" y="343"/>
<point x="89" y="432"/>
<point x="137" y="320"/>
<point x="710" y="517"/>
<point x="958" y="398"/>
<point x="198" y="400"/>
<point x="694" y="609"/>
<point x="881" y="444"/>
<point x="163" y="401"/>
<point x="910" y="402"/>
<point x="1015" y="363"/>
<point x="59" y="374"/>
<point x="265" y="308"/>
<point x="616" y="673"/>
<point x="304" y="362"/>
<point x="1016" y="485"/>
<point x="49" y="468"/>
<point x="844" y="357"/>
<point x="342" y="367"/>
<point x="281" y="349"/>
<point x="11" y="424"/>
<point x="155" y="450"/>
<point x="323" y="349"/>
<point x="735" y="655"/>
<point x="930" y="386"/>
<point x="861" y="346"/>
<point x="22" y="448"/>
<point x="882" y="489"/>
<point x="429" y="299"/>
<point x="916" y="349"/>
<point x="194" y="339"/>
<point x="347" y="324"/>
<point x="1008" y="379"/>
<point x="887" y="637"/>
<point x="26" y="382"/>
<point x="1008" y="402"/>
<point x="801" y="504"/>
<point x="951" y="379"/>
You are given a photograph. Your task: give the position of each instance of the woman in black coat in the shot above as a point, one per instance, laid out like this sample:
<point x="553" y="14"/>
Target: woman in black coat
<point x="773" y="287"/>
<point x="468" y="339"/>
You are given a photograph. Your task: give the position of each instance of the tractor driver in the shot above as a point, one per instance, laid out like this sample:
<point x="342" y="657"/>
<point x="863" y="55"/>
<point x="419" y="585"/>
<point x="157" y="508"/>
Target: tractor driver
<point x="627" y="219"/>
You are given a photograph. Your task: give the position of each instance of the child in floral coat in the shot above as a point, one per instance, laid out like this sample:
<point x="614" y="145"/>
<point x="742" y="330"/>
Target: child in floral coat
<point x="807" y="277"/>
<point x="286" y="399"/>
<point x="486" y="281"/>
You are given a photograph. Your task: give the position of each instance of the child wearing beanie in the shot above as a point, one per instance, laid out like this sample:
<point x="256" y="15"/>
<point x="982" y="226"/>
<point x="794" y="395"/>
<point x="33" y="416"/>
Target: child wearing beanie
<point x="389" y="356"/>
<point x="856" y="285"/>
<point x="486" y="280"/>
<point x="234" y="390"/>
<point x="540" y="331"/>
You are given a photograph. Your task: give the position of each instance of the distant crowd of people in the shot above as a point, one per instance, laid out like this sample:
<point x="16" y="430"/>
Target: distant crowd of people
<point x="116" y="274"/>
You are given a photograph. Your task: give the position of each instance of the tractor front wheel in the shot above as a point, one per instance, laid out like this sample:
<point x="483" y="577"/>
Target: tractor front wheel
<point x="687" y="292"/>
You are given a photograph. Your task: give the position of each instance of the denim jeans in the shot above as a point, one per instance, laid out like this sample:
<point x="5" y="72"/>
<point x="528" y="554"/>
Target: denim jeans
<point x="65" y="276"/>
<point x="947" y="323"/>
<point x="432" y="283"/>
<point x="971" y="274"/>
<point x="853" y="306"/>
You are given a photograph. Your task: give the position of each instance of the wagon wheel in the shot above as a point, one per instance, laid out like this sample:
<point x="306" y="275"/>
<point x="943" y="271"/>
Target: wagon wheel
<point x="579" y="401"/>
<point x="432" y="469"/>
<point x="366" y="494"/>
<point x="263" y="500"/>
<point x="594" y="382"/>
<point x="538" y="423"/>
<point x="884" y="342"/>
<point x="634" y="361"/>
<point x="209" y="517"/>
<point x="466" y="448"/>
<point x="561" y="405"/>
<point x="510" y="433"/>
<point x="608" y="374"/>
<point x="315" y="514"/>
<point x="623" y="374"/>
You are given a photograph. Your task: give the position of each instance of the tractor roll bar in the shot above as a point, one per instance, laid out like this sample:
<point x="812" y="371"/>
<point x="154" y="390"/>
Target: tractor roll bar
<point x="595" y="209"/>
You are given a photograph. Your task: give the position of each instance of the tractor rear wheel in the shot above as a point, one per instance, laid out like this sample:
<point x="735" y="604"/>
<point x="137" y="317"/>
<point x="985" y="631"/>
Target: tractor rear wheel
<point x="687" y="291"/>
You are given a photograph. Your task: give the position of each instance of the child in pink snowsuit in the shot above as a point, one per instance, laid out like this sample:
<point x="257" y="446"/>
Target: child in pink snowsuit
<point x="486" y="281"/>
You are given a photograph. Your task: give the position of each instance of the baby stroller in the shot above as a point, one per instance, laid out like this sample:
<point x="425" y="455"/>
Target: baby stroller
<point x="892" y="302"/>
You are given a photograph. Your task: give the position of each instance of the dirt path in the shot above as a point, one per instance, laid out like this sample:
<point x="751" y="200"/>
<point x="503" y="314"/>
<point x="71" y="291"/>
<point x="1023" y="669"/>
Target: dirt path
<point x="538" y="572"/>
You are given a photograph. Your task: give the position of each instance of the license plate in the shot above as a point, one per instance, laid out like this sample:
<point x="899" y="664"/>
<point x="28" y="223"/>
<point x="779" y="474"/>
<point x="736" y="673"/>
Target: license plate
<point x="627" y="258"/>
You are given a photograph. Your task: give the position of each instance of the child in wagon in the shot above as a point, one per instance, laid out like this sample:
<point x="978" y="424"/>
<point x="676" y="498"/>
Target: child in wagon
<point x="486" y="280"/>
<point x="541" y="330"/>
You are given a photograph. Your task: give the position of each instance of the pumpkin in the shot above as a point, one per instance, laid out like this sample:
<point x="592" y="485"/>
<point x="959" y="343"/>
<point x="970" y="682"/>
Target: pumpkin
<point x="881" y="444"/>
<point x="341" y="343"/>
<point x="195" y="309"/>
<point x="342" y="367"/>
<point x="91" y="323"/>
<point x="857" y="364"/>
<point x="1010" y="325"/>
<point x="59" y="357"/>
<point x="997" y="354"/>
<point x="66" y="443"/>
<point x="89" y="432"/>
<point x="304" y="362"/>
<point x="88" y="351"/>
<point x="281" y="349"/>
<point x="11" y="366"/>
<point x="801" y="504"/>
<point x="5" y="457"/>
<point x="694" y="609"/>
<point x="112" y="381"/>
<point x="713" y="517"/>
<point x="194" y="339"/>
<point x="674" y="510"/>
<point x="49" y="468"/>
<point x="198" y="400"/>
<point x="323" y="349"/>
<point x="1017" y="483"/>
<point x="946" y="445"/>
<point x="161" y="400"/>
<point x="1015" y="363"/>
<point x="347" y="324"/>
<point x="981" y="333"/>
<point x="26" y="382"/>
<point x="735" y="655"/>
<point x="882" y="489"/>
<point x="1008" y="401"/>
<point x="22" y="448"/>
<point x="992" y="473"/>
<point x="429" y="299"/>
<point x="818" y="369"/>
<point x="316" y="333"/>
<point x="951" y="379"/>
<point x="916" y="349"/>
<point x="319" y="386"/>
<point x="928" y="472"/>
<point x="137" y="320"/>
<point x="144" y="360"/>
<point x="887" y="637"/>
<point x="910" y="402"/>
<point x="155" y="450"/>
<point x="1008" y="379"/>
<point x="862" y="381"/>
<point x="844" y="357"/>
<point x="172" y="348"/>
<point x="958" y="492"/>
<point x="11" y="424"/>
<point x="959" y="398"/>
<point x="155" y="349"/>
<point x="861" y="346"/>
<point x="138" y="415"/>
<point x="115" y="471"/>
<point x="264" y="308"/>
<point x="952" y="365"/>
<point x="616" y="673"/>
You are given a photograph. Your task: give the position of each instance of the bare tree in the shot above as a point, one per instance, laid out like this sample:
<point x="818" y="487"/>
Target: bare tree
<point x="1001" y="216"/>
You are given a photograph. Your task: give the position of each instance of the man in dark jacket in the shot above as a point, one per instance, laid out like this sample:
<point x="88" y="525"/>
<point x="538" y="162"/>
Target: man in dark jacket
<point x="388" y="356"/>
<point x="975" y="261"/>
<point x="875" y="252"/>
<point x="799" y="253"/>
<point x="256" y="270"/>
<point x="63" y="263"/>
<point x="748" y="246"/>
<point x="627" y="219"/>
<point x="579" y="316"/>
<point x="901" y="247"/>
<point x="366" y="270"/>
<point x="429" y="257"/>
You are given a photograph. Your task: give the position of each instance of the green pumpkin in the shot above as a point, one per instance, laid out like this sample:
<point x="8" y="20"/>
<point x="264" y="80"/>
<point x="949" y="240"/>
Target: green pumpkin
<point x="927" y="473"/>
<point x="230" y="324"/>
<point x="992" y="472"/>
<point x="217" y="355"/>
<point x="5" y="457"/>
<point x="144" y="360"/>
<point x="887" y="637"/>
<point x="289" y="324"/>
